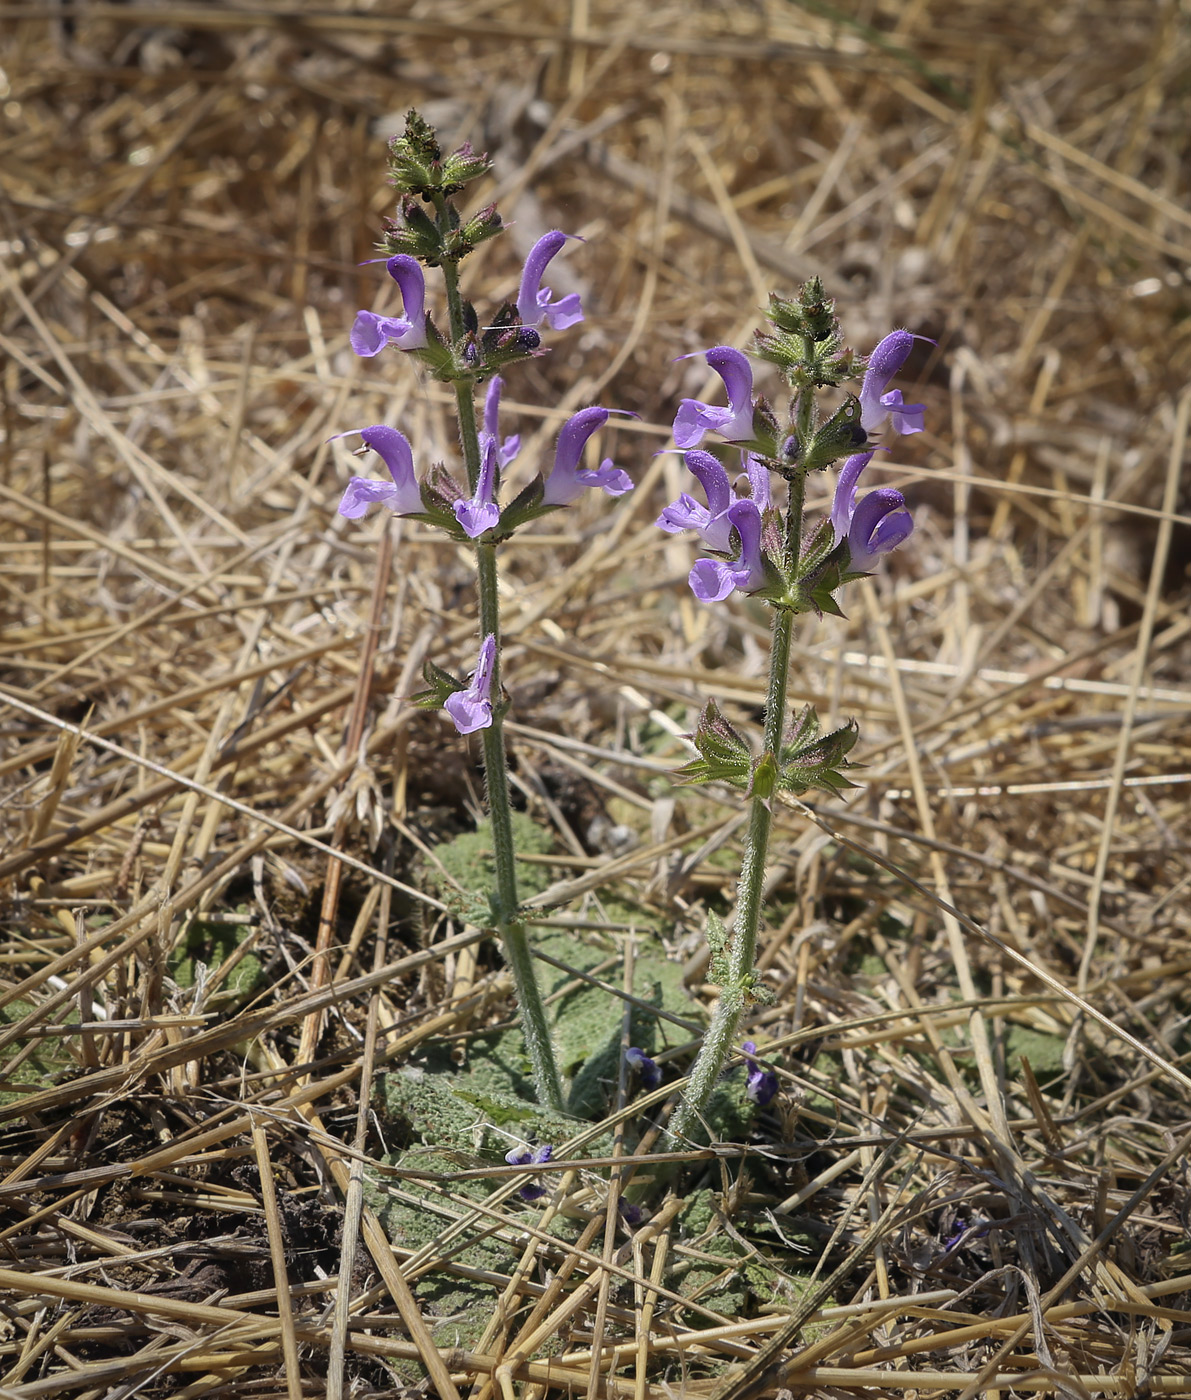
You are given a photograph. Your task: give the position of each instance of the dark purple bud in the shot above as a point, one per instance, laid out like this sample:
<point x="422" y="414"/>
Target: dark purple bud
<point x="519" y="338"/>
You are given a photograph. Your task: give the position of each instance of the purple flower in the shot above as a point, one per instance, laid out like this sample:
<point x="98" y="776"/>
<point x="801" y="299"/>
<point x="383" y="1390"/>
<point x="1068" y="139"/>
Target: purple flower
<point x="566" y="481"/>
<point x="762" y="1083"/>
<point x="712" y="580"/>
<point x="735" y="423"/>
<point x="873" y="526"/>
<point x="371" y="333"/>
<point x="711" y="521"/>
<point x="533" y="300"/>
<point x="508" y="449"/>
<point x="471" y="709"/>
<point x="875" y="403"/>
<point x="647" y="1070"/>
<point x="401" y="495"/>
<point x="525" y="1157"/>
<point x="631" y="1215"/>
<point x="481" y="512"/>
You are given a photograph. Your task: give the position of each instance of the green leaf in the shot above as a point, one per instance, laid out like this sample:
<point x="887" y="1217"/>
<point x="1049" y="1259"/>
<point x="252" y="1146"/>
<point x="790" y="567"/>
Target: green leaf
<point x="501" y="1114"/>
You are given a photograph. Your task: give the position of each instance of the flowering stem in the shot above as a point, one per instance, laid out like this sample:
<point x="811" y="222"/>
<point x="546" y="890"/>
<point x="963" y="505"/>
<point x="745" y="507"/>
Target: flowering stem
<point x="513" y="936"/>
<point x="720" y="1039"/>
<point x="506" y="904"/>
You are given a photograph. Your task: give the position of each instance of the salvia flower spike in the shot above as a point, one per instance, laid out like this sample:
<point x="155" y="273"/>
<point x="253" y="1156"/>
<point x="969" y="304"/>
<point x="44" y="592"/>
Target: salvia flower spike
<point x="372" y="332"/>
<point x="791" y="574"/>
<point x="734" y="423"/>
<point x="536" y="303"/>
<point x="471" y="709"/>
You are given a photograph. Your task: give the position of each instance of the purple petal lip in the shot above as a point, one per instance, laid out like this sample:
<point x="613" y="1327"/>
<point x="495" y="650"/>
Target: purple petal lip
<point x="476" y="517"/>
<point x="360" y="493"/>
<point x="762" y="1085"/>
<point x="647" y="1069"/>
<point x="711" y="580"/>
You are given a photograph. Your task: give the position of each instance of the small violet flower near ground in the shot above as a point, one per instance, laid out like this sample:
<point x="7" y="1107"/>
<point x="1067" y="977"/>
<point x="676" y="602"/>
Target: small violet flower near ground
<point x="525" y="1157"/>
<point x="481" y="513"/>
<point x="875" y="403"/>
<point x="734" y="423"/>
<point x="372" y="332"/>
<point x="631" y="1215"/>
<point x="648" y="1071"/>
<point x="471" y="709"/>
<point x="534" y="302"/>
<point x="872" y="526"/>
<point x="711" y="580"/>
<point x="762" y="1083"/>
<point x="402" y="495"/>
<point x="567" y="482"/>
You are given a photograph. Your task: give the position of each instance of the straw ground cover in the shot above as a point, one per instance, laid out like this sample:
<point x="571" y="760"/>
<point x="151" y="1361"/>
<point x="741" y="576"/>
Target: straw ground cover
<point x="256" y="1078"/>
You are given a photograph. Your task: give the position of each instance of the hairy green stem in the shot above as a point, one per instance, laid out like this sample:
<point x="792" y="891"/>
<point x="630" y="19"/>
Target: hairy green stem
<point x="720" y="1040"/>
<point x="509" y="926"/>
